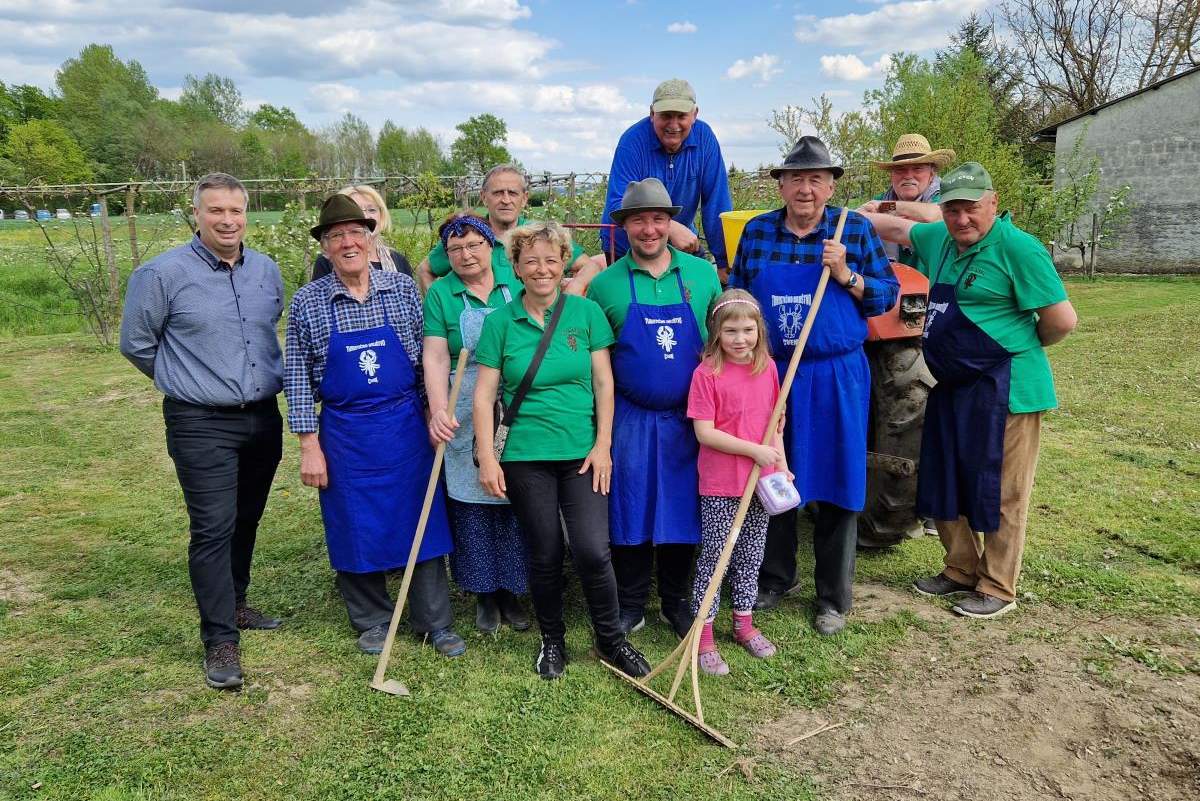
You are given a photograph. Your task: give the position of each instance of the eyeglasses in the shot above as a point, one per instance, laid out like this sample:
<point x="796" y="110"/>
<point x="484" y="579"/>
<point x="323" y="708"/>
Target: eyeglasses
<point x="353" y="233"/>
<point x="473" y="249"/>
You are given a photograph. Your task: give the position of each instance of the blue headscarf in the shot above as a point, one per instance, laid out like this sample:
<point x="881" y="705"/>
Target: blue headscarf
<point x="458" y="226"/>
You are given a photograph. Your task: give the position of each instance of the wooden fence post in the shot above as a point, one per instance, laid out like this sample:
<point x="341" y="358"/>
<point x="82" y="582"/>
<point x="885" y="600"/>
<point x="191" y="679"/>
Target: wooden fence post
<point x="1091" y="271"/>
<point x="110" y="259"/>
<point x="571" y="198"/>
<point x="131" y="215"/>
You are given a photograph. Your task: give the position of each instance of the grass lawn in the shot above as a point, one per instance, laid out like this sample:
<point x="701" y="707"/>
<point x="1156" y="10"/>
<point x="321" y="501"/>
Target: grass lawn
<point x="101" y="693"/>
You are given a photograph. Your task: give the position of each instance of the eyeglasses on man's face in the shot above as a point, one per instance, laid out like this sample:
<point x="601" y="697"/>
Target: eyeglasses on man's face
<point x="473" y="248"/>
<point x="355" y="234"/>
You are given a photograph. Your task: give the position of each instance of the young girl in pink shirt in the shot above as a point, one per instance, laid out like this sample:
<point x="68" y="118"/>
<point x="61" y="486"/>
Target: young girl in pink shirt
<point x="732" y="396"/>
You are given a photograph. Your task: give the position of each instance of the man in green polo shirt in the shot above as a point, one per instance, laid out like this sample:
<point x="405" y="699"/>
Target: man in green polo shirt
<point x="995" y="303"/>
<point x="657" y="300"/>
<point x="504" y="195"/>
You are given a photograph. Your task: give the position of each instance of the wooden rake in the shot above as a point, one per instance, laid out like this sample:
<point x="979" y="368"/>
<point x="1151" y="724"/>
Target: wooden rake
<point x="686" y="654"/>
<point x="391" y="686"/>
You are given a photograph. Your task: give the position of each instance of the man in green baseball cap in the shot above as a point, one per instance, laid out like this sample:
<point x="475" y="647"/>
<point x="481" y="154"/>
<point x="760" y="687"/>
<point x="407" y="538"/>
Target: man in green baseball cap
<point x="995" y="304"/>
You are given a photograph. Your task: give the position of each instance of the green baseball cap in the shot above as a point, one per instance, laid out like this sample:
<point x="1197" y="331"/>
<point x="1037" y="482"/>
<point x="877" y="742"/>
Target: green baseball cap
<point x="674" y="95"/>
<point x="968" y="181"/>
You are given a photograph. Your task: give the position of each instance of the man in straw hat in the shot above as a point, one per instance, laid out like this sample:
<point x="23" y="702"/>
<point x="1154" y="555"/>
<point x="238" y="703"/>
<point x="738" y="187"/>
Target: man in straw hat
<point x="915" y="187"/>
<point x="200" y="320"/>
<point x="779" y="260"/>
<point x="657" y="299"/>
<point x="354" y="346"/>
<point x="995" y="303"/>
<point x="682" y="151"/>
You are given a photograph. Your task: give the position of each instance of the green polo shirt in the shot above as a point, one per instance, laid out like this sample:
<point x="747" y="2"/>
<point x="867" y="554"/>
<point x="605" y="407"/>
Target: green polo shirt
<point x="444" y="304"/>
<point x="439" y="262"/>
<point x="557" y="419"/>
<point x="610" y="289"/>
<point x="1009" y="274"/>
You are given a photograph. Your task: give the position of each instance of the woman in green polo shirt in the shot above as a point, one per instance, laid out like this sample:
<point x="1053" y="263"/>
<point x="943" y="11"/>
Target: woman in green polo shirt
<point x="488" y="557"/>
<point x="556" y="459"/>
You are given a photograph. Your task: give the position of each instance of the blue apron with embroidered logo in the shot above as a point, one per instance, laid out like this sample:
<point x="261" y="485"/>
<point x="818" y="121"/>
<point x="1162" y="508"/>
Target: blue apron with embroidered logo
<point x="962" y="446"/>
<point x="826" y="433"/>
<point x="654" y="495"/>
<point x="377" y="454"/>
<point x="462" y="476"/>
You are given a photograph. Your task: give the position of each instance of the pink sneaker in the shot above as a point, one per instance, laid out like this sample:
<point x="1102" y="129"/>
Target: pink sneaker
<point x="758" y="646"/>
<point x="712" y="664"/>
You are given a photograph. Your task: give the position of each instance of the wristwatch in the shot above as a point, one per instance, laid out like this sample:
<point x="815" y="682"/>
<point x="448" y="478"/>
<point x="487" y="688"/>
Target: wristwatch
<point x="853" y="282"/>
<point x="887" y="206"/>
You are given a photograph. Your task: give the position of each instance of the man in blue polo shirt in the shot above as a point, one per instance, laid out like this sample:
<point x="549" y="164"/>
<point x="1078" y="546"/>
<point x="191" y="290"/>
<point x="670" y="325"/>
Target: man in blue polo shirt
<point x="682" y="152"/>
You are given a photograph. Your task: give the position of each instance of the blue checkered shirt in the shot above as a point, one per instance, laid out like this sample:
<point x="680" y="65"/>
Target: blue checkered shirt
<point x="308" y="330"/>
<point x="767" y="239"/>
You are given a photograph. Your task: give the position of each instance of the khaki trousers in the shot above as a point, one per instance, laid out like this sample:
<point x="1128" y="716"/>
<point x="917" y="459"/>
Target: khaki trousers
<point x="993" y="563"/>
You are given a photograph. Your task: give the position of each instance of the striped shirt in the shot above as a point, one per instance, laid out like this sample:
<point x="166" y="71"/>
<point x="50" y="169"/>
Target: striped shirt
<point x="766" y="239"/>
<point x="205" y="330"/>
<point x="309" y="327"/>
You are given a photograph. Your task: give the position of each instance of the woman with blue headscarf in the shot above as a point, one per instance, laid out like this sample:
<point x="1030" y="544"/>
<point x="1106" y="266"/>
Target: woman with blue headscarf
<point x="488" y="557"/>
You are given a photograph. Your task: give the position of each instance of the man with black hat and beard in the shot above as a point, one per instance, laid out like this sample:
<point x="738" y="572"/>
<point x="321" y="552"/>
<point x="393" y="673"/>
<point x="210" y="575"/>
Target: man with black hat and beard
<point x="354" y="346"/>
<point x="779" y="260"/>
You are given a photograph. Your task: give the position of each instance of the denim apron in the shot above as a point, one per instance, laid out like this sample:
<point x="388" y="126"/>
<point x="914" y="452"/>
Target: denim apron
<point x="377" y="454"/>
<point x="654" y="494"/>
<point x="462" y="476"/>
<point x="826" y="433"/>
<point x="962" y="446"/>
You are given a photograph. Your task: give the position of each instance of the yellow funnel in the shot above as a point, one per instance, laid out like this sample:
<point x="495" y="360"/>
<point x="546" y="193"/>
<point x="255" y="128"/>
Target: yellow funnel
<point x="732" y="224"/>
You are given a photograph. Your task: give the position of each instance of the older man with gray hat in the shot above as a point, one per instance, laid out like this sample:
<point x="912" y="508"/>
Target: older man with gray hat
<point x="657" y="299"/>
<point x="682" y="152"/>
<point x="779" y="260"/>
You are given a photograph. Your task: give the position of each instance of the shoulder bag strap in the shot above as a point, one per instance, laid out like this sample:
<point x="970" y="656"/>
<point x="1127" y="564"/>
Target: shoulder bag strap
<point x="510" y="412"/>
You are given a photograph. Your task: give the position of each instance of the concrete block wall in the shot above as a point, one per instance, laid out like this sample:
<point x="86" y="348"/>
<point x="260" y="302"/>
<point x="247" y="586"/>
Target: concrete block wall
<point x="1152" y="142"/>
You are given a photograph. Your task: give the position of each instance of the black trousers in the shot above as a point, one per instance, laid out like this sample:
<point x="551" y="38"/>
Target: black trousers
<point x="633" y="565"/>
<point x="225" y="460"/>
<point x="835" y="538"/>
<point x="428" y="604"/>
<point x="538" y="491"/>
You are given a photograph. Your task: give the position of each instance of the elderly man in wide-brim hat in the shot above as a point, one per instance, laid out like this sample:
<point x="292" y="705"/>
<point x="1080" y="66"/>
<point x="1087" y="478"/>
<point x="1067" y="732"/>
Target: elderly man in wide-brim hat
<point x="916" y="187"/>
<point x="354" y="346"/>
<point x="657" y="298"/>
<point x="779" y="260"/>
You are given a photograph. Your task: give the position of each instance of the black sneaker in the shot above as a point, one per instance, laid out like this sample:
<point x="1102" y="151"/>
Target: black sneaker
<point x="678" y="615"/>
<point x="371" y="641"/>
<point x="248" y="617"/>
<point x="551" y="659"/>
<point x="767" y="599"/>
<point x="940" y="587"/>
<point x="626" y="659"/>
<point x="631" y="620"/>
<point x="223" y="666"/>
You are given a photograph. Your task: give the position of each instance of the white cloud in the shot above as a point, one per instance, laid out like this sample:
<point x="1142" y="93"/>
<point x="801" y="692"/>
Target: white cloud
<point x="912" y="25"/>
<point x="336" y="98"/>
<point x="681" y="27"/>
<point x="762" y="65"/>
<point x="850" y="67"/>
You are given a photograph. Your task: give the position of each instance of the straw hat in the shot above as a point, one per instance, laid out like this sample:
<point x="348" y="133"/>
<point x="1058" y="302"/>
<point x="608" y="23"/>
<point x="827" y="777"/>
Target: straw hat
<point x="914" y="149"/>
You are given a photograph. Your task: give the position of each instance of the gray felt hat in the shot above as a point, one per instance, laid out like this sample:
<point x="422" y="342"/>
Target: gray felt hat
<point x="809" y="153"/>
<point x="647" y="195"/>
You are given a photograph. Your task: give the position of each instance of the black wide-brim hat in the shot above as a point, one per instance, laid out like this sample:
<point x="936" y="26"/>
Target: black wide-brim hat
<point x="809" y="153"/>
<point x="339" y="209"/>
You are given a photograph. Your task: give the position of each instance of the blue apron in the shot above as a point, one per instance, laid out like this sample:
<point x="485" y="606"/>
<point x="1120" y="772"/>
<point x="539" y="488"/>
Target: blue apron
<point x="655" y="486"/>
<point x="377" y="454"/>
<point x="826" y="433"/>
<point x="962" y="447"/>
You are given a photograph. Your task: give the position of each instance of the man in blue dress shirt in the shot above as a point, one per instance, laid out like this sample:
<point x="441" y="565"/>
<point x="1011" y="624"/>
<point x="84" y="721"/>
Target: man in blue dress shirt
<point x="680" y="150"/>
<point x="200" y="320"/>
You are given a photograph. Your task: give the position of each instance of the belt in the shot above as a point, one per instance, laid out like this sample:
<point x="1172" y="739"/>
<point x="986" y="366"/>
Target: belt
<point x="251" y="406"/>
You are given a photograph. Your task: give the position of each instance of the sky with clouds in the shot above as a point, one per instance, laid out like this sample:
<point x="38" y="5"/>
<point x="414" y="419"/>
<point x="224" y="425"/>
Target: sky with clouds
<point x="567" y="77"/>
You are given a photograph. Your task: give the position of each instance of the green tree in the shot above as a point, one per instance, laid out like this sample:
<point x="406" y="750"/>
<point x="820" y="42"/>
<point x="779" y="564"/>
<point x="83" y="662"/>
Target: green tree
<point x="21" y="103"/>
<point x="42" y="151"/>
<point x="213" y="96"/>
<point x="162" y="136"/>
<point x="102" y="100"/>
<point x="480" y="145"/>
<point x="402" y="152"/>
<point x="279" y="119"/>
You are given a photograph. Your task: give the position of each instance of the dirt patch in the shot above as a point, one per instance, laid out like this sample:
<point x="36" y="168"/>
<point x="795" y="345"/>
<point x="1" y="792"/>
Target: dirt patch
<point x="1037" y="705"/>
<point x="16" y="591"/>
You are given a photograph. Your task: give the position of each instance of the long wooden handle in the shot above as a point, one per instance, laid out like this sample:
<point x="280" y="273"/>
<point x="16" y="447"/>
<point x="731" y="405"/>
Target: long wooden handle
<point x="419" y="535"/>
<point x="692" y="640"/>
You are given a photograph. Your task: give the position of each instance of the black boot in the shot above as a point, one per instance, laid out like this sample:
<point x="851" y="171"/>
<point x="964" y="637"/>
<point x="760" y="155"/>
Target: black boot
<point x="511" y="610"/>
<point x="487" y="613"/>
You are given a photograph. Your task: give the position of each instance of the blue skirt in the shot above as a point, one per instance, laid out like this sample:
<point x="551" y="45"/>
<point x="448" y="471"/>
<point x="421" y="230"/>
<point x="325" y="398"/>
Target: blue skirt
<point x="489" y="553"/>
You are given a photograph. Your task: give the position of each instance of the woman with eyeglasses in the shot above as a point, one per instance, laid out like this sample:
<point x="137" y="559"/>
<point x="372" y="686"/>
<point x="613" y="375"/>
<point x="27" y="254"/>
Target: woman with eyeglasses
<point x="354" y="346"/>
<point x="380" y="256"/>
<point x="489" y="557"/>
